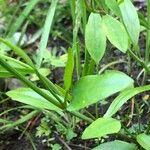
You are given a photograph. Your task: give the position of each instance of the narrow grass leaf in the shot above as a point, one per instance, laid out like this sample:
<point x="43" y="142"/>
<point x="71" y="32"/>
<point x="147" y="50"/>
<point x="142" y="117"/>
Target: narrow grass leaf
<point x="46" y="31"/>
<point x="144" y="141"/>
<point x="20" y="121"/>
<point x="19" y="21"/>
<point x="18" y="51"/>
<point x="123" y="98"/>
<point x="101" y="127"/>
<point x="69" y="70"/>
<point x="115" y="33"/>
<point x="95" y="39"/>
<point x="113" y="6"/>
<point x="92" y="88"/>
<point x="20" y="66"/>
<point x="131" y="20"/>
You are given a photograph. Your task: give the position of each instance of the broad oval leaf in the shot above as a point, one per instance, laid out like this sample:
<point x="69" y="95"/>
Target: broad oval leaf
<point x="101" y="127"/>
<point x="92" y="88"/>
<point x="144" y="141"/>
<point x="131" y="20"/>
<point x="30" y="97"/>
<point x="123" y="98"/>
<point x="115" y="33"/>
<point x="95" y="39"/>
<point x="116" y="145"/>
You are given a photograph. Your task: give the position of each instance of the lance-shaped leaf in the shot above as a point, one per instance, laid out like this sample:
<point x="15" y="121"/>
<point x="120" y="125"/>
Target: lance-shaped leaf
<point x="30" y="97"/>
<point x="92" y="88"/>
<point x="144" y="141"/>
<point x="101" y="127"/>
<point x="95" y="39"/>
<point x="115" y="33"/>
<point x="69" y="70"/>
<point x="123" y="98"/>
<point x="113" y="6"/>
<point x="130" y="19"/>
<point x="116" y="145"/>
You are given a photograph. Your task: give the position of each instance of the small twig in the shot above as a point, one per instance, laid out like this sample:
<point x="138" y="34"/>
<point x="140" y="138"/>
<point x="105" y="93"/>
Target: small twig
<point x="132" y="111"/>
<point x="80" y="146"/>
<point x="63" y="142"/>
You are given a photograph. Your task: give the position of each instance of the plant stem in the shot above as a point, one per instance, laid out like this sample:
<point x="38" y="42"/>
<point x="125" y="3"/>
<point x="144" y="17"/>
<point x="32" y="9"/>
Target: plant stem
<point x="148" y="127"/>
<point x="138" y="116"/>
<point x="147" y="52"/>
<point x="141" y="62"/>
<point x="81" y="116"/>
<point x="96" y="110"/>
<point x="89" y="114"/>
<point x="110" y="64"/>
<point x="50" y="87"/>
<point x="29" y="83"/>
<point x="76" y="47"/>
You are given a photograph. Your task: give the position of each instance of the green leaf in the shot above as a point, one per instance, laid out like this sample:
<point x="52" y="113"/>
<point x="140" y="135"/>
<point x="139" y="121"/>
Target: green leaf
<point x="101" y="127"/>
<point x="92" y="88"/>
<point x="115" y="32"/>
<point x="69" y="70"/>
<point x="19" y="21"/>
<point x="28" y="83"/>
<point x="20" y="66"/>
<point x="6" y="74"/>
<point x="131" y="20"/>
<point x="30" y="97"/>
<point x="116" y="145"/>
<point x="113" y="6"/>
<point x="144" y="141"/>
<point x="18" y="51"/>
<point x="20" y="121"/>
<point x="44" y="71"/>
<point x="46" y="31"/>
<point x="123" y="98"/>
<point x="95" y="39"/>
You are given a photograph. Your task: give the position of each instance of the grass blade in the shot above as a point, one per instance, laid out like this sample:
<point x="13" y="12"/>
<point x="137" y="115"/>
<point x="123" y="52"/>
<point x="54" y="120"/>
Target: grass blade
<point x="69" y="70"/>
<point x="22" y="17"/>
<point x="46" y="31"/>
<point x="20" y="121"/>
<point x="18" y="51"/>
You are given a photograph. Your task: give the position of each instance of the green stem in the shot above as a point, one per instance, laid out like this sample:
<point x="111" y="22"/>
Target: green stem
<point x="96" y="110"/>
<point x="89" y="114"/>
<point x="138" y="117"/>
<point x="91" y="67"/>
<point x="148" y="127"/>
<point x="147" y="52"/>
<point x="76" y="47"/>
<point x="81" y="116"/>
<point x="50" y="87"/>
<point x="141" y="62"/>
<point x="110" y="64"/>
<point x="29" y="83"/>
